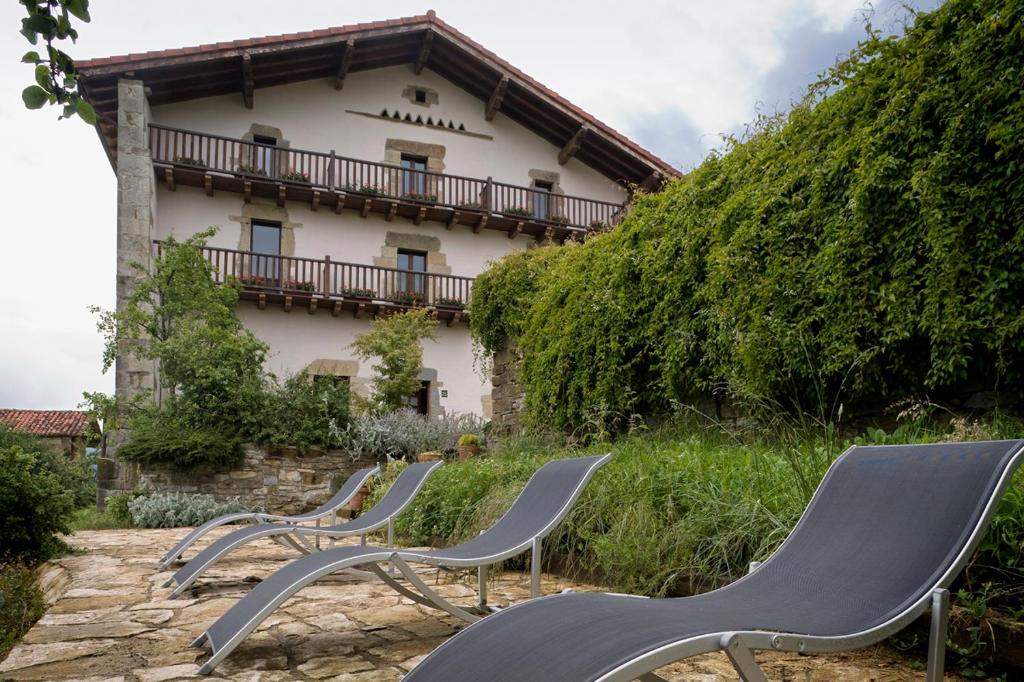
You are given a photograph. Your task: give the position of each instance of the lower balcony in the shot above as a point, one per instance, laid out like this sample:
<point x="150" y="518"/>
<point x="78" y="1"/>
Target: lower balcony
<point x="334" y="286"/>
<point x="218" y="163"/>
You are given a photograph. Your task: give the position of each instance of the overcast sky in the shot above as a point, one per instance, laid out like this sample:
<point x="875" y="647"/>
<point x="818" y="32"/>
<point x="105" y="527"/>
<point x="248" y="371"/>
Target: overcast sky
<point x="672" y="75"/>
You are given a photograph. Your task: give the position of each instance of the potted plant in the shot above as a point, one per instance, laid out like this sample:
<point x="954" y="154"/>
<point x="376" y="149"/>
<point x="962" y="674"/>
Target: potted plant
<point x="429" y="456"/>
<point x="468" y="445"/>
<point x="356" y="503"/>
<point x="449" y="302"/>
<point x="518" y="211"/>
<point x="356" y="292"/>
<point x="295" y="176"/>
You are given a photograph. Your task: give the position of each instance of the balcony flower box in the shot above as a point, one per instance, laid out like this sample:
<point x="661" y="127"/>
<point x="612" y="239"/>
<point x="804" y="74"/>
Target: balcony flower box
<point x="257" y="281"/>
<point x="518" y="211"/>
<point x="295" y="176"/>
<point x="598" y="225"/>
<point x="408" y="298"/>
<point x="448" y="302"/>
<point x="300" y="286"/>
<point x="417" y="196"/>
<point x="248" y="169"/>
<point x="558" y="220"/>
<point x="356" y="292"/>
<point x="189" y="161"/>
<point x="365" y="188"/>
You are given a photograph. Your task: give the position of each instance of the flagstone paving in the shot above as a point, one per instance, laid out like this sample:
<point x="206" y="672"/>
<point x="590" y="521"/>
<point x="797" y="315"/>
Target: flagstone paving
<point x="110" y="619"/>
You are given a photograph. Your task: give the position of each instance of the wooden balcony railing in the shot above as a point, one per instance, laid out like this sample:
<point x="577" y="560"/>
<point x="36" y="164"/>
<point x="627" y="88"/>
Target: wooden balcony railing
<point x="333" y="173"/>
<point x="334" y="280"/>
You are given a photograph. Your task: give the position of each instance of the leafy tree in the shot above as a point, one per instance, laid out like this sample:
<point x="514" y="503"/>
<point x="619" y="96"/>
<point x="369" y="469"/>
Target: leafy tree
<point x="396" y="341"/>
<point x="56" y="78"/>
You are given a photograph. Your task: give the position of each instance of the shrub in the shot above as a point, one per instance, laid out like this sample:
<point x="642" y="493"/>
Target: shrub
<point x="118" y="508"/>
<point x="303" y="412"/>
<point x="21" y="604"/>
<point x="74" y="474"/>
<point x="468" y="439"/>
<point x="171" y="510"/>
<point x="34" y="506"/>
<point x="862" y="249"/>
<point x="406" y="434"/>
<point x="163" y="436"/>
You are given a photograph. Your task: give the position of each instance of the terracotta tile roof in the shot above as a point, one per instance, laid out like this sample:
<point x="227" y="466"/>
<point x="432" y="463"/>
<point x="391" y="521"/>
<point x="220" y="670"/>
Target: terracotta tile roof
<point x="46" y="422"/>
<point x="429" y="19"/>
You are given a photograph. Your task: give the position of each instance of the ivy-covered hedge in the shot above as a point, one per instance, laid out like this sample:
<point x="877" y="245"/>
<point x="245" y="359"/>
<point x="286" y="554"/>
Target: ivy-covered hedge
<point x="866" y="247"/>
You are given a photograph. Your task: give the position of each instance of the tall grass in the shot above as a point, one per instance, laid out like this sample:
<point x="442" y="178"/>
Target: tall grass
<point x="679" y="509"/>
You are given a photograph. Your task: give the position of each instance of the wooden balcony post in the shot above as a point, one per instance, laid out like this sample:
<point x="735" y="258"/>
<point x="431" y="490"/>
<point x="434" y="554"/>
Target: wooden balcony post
<point x="325" y="283"/>
<point x="488" y="189"/>
<point x="331" y="170"/>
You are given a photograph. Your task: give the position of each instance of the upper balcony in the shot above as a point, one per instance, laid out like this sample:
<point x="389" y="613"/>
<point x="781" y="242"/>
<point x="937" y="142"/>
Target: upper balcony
<point x="320" y="179"/>
<point x="326" y="284"/>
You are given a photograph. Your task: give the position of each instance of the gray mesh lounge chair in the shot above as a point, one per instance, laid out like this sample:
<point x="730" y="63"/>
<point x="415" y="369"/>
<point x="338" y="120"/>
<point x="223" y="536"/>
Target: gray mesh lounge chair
<point x="398" y="497"/>
<point x="545" y="500"/>
<point x="328" y="508"/>
<point x="887" y="531"/>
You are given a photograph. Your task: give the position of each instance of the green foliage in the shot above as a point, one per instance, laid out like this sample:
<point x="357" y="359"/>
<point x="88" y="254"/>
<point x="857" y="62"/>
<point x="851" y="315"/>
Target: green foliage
<point x="406" y="434"/>
<point x="303" y="412"/>
<point x="468" y="439"/>
<point x="862" y="249"/>
<point x="215" y="391"/>
<point x="395" y="340"/>
<point x="173" y="510"/>
<point x="91" y="518"/>
<point x="117" y="507"/>
<point x="74" y="474"/>
<point x="21" y="604"/>
<point x="503" y="293"/>
<point x="34" y="506"/>
<point x="168" y="436"/>
<point x="55" y="74"/>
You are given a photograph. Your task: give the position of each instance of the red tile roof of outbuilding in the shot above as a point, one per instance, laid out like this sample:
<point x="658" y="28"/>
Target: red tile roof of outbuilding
<point x="46" y="422"/>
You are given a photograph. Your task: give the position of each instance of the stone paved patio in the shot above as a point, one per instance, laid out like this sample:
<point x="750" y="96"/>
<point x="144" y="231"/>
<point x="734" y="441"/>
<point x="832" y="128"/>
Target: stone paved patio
<point x="109" y="619"/>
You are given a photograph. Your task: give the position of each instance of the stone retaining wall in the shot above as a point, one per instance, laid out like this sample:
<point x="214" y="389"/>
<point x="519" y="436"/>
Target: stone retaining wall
<point x="506" y="393"/>
<point x="281" y="480"/>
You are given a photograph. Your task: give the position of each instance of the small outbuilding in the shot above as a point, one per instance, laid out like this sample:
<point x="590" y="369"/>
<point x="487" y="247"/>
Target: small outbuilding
<point x="65" y="430"/>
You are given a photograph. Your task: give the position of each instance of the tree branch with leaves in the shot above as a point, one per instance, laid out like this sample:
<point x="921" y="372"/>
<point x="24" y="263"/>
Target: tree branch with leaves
<point x="49" y="21"/>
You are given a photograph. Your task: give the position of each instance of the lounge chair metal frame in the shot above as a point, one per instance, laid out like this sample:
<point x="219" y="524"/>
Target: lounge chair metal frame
<point x="739" y="646"/>
<point x="328" y="509"/>
<point x="361" y="556"/>
<point x="296" y="536"/>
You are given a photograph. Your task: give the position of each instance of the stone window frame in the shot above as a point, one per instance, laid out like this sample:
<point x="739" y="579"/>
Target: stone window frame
<point x="555" y="204"/>
<point x="268" y="212"/>
<point x="433" y="153"/>
<point x="263" y="130"/>
<point x="432" y="96"/>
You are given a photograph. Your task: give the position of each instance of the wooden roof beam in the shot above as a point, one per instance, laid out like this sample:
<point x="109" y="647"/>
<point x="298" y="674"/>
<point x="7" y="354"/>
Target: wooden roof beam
<point x="346" y="62"/>
<point x="494" y="103"/>
<point x="248" y="85"/>
<point x="424" y="55"/>
<point x="573" y="145"/>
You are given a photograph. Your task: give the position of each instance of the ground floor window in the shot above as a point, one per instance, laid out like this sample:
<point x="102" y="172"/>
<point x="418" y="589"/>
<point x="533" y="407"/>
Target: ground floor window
<point x="420" y="400"/>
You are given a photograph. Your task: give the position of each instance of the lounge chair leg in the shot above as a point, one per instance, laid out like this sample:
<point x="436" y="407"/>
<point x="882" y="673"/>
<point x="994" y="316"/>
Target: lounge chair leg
<point x="742" y="659"/>
<point x="535" y="557"/>
<point x="937" y="636"/>
<point x="391" y="542"/>
<point x="481" y="579"/>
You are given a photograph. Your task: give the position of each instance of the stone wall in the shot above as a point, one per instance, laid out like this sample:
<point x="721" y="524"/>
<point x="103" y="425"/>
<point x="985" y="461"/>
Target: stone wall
<point x="281" y="480"/>
<point x="506" y="393"/>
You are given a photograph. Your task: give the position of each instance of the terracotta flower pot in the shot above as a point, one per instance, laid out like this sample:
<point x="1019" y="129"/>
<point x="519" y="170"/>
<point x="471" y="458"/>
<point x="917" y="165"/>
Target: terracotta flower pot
<point x="356" y="503"/>
<point x="428" y="456"/>
<point x="467" y="451"/>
